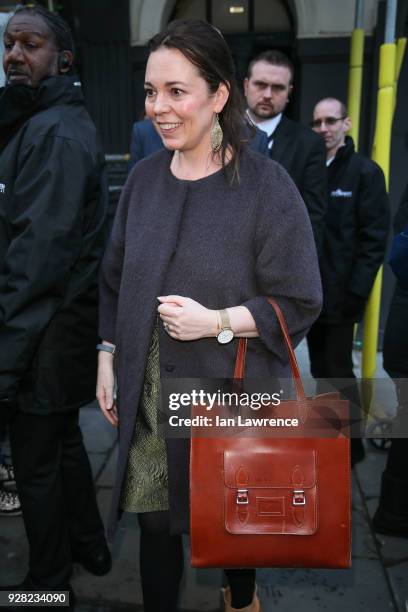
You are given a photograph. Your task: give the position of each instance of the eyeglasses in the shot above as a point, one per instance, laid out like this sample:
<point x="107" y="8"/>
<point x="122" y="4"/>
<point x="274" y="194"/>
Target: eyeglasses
<point x="316" y="123"/>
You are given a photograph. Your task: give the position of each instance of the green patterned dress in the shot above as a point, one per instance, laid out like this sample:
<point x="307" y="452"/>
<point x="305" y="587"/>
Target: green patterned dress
<point x="145" y="487"/>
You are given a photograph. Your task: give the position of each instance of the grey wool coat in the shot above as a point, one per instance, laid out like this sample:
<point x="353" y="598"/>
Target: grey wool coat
<point x="221" y="245"/>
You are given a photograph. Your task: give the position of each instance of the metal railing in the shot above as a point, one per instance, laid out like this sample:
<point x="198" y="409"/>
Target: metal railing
<point x="117" y="160"/>
<point x="117" y="157"/>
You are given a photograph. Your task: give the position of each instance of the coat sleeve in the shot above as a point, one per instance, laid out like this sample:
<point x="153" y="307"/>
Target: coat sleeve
<point x="373" y="225"/>
<point x="111" y="269"/>
<point x="314" y="189"/>
<point x="398" y="259"/>
<point x="136" y="149"/>
<point x="401" y="217"/>
<point x="46" y="221"/>
<point x="286" y="265"/>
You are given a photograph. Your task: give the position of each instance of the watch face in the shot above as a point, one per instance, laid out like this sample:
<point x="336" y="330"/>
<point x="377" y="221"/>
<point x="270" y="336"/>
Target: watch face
<point x="225" y="336"/>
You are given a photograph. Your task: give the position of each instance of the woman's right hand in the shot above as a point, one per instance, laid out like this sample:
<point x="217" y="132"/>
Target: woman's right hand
<point x="105" y="387"/>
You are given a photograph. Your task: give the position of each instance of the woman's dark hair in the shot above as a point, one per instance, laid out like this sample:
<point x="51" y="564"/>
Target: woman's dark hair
<point x="56" y="24"/>
<point x="205" y="47"/>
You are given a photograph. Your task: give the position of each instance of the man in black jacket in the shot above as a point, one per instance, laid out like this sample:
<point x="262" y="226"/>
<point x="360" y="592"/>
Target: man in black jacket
<point x="52" y="230"/>
<point x="267" y="89"/>
<point x="357" y="225"/>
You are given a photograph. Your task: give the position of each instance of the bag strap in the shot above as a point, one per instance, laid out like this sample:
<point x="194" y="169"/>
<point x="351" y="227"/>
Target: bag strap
<point x="242" y="349"/>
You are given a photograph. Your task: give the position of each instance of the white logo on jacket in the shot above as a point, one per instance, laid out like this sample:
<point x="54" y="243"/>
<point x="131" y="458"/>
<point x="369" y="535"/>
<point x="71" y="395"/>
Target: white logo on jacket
<point x="339" y="193"/>
<point x="2" y="188"/>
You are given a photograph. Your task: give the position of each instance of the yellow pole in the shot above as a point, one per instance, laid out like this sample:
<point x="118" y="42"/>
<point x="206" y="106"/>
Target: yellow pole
<point x="381" y="154"/>
<point x="355" y="82"/>
<point x="386" y="84"/>
<point x="401" y="46"/>
<point x="356" y="78"/>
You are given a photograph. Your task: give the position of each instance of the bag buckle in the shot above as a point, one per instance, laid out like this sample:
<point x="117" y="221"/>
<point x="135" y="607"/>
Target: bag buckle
<point x="299" y="498"/>
<point x="242" y="496"/>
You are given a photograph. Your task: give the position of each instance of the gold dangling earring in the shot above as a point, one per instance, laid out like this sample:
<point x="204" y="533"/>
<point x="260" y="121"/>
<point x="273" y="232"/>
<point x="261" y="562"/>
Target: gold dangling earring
<point x="216" y="135"/>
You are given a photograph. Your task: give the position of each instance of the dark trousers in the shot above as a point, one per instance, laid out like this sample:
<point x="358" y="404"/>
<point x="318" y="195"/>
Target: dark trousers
<point x="395" y="353"/>
<point x="55" y="485"/>
<point x="330" y="351"/>
<point x="161" y="567"/>
<point x="397" y="460"/>
<point x="3" y="432"/>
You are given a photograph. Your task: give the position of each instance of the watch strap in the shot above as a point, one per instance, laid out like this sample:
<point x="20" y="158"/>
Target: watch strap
<point x="225" y="320"/>
<point x="106" y="348"/>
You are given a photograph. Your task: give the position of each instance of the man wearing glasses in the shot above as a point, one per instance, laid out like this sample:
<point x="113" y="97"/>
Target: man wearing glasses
<point x="357" y="225"/>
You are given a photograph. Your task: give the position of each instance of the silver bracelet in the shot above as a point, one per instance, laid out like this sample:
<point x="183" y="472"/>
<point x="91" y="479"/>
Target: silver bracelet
<point x="106" y="348"/>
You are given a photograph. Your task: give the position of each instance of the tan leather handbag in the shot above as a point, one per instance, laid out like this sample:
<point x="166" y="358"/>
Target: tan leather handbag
<point x="268" y="501"/>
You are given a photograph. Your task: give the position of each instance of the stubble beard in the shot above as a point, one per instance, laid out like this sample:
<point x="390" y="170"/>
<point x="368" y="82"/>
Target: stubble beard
<point x="263" y="115"/>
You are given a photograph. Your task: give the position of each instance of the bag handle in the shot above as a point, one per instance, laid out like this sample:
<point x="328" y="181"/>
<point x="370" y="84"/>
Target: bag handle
<point x="242" y="348"/>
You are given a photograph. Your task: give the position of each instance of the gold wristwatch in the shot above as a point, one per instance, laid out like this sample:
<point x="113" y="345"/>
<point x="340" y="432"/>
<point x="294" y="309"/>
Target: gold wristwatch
<point x="225" y="334"/>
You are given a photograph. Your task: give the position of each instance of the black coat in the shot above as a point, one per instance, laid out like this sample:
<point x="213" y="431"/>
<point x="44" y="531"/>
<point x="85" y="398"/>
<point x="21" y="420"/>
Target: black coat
<point x="395" y="350"/>
<point x="53" y="207"/>
<point x="357" y="226"/>
<point x="220" y="245"/>
<point x="302" y="153"/>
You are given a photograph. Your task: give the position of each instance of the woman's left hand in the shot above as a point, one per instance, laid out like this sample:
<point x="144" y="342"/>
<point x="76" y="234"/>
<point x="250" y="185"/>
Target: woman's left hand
<point x="186" y="319"/>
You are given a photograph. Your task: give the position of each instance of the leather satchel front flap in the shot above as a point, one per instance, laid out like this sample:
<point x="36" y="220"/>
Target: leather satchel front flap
<point x="271" y="468"/>
<point x="273" y="492"/>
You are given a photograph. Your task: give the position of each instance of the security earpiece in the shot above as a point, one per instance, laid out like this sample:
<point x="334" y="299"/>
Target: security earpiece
<point x="63" y="62"/>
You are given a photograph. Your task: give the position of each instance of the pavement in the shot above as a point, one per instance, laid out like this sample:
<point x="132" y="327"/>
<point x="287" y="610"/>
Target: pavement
<point x="376" y="582"/>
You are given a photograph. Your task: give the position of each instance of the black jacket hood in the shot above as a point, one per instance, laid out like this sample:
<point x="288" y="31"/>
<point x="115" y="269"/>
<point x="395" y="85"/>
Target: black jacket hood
<point x="20" y="102"/>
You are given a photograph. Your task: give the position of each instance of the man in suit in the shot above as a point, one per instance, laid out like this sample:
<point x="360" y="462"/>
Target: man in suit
<point x="355" y="238"/>
<point x="145" y="141"/>
<point x="301" y="152"/>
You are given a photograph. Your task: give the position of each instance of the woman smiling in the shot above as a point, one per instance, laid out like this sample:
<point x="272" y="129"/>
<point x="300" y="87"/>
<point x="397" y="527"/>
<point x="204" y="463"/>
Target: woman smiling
<point x="211" y="228"/>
